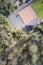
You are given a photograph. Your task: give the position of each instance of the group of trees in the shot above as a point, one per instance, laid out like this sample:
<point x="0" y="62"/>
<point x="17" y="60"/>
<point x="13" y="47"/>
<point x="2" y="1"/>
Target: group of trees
<point x="28" y="49"/>
<point x="5" y="7"/>
<point x="31" y="49"/>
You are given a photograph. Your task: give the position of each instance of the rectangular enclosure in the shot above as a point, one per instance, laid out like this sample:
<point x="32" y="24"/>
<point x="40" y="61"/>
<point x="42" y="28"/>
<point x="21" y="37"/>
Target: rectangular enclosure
<point x="27" y="14"/>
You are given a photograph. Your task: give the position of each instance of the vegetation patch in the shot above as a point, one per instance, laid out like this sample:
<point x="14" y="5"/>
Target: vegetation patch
<point x="6" y="7"/>
<point x="38" y="6"/>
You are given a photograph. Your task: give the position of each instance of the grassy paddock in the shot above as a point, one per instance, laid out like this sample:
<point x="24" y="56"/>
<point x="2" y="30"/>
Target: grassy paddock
<point x="39" y="8"/>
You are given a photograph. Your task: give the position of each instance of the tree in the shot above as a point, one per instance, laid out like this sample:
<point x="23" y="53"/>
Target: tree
<point x="5" y="7"/>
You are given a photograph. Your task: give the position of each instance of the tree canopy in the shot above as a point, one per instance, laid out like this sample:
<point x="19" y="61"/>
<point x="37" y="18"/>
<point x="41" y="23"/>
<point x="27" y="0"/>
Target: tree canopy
<point x="5" y="7"/>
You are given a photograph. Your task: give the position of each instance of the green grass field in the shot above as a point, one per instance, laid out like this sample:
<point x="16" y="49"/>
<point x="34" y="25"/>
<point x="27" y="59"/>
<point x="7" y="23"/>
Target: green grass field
<point x="39" y="8"/>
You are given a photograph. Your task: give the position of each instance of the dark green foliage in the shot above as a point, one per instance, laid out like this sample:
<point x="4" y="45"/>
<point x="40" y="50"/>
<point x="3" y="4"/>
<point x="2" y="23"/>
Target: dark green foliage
<point x="5" y="7"/>
<point x="16" y="7"/>
<point x="14" y="35"/>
